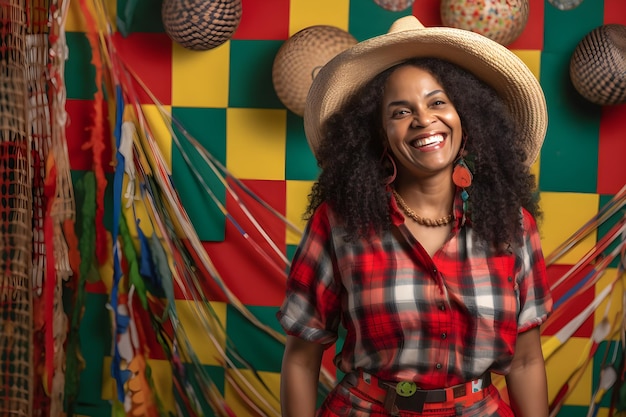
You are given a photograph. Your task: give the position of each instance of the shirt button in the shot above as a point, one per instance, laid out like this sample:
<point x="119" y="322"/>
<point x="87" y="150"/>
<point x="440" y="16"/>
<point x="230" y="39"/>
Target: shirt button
<point x="442" y="307"/>
<point x="444" y="335"/>
<point x="438" y="366"/>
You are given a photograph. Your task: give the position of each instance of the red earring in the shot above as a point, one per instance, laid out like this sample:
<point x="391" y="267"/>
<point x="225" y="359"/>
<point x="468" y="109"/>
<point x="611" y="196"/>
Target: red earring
<point x="461" y="174"/>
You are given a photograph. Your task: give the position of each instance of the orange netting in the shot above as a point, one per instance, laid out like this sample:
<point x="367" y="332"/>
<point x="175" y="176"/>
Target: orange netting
<point x="36" y="208"/>
<point x="16" y="335"/>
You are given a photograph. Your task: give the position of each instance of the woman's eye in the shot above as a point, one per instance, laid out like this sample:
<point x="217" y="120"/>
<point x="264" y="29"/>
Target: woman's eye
<point x="400" y="112"/>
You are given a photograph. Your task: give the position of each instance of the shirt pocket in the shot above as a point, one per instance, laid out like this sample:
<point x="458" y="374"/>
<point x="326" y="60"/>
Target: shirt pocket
<point x="372" y="305"/>
<point x="495" y="295"/>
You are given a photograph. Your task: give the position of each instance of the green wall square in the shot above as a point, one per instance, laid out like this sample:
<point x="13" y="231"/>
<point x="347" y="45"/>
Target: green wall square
<point x="573" y="411"/>
<point x="208" y="127"/>
<point x="569" y="156"/>
<point x="139" y="16"/>
<point x="367" y="19"/>
<point x="569" y="159"/>
<point x="290" y="251"/>
<point x="300" y="163"/>
<point x="564" y="29"/>
<point x="101" y="410"/>
<point x="80" y="74"/>
<point x="262" y="351"/>
<point x="214" y="374"/>
<point x="95" y="344"/>
<point x="603" y="357"/>
<point x="250" y="76"/>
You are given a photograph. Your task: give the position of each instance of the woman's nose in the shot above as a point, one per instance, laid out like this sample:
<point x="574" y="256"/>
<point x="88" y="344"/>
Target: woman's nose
<point x="421" y="119"/>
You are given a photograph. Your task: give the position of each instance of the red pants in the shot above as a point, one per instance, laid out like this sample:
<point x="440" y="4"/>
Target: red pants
<point x="342" y="402"/>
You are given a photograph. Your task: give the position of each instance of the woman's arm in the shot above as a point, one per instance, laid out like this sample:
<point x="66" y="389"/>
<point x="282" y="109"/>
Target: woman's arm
<point x="299" y="377"/>
<point x="526" y="382"/>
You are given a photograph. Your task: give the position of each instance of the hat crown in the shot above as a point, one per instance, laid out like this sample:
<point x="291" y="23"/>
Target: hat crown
<point x="405" y="23"/>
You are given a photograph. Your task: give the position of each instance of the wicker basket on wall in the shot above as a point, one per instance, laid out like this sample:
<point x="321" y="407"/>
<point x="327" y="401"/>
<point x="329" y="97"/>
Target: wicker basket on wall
<point x="598" y="65"/>
<point x="300" y="58"/>
<point x="200" y="24"/>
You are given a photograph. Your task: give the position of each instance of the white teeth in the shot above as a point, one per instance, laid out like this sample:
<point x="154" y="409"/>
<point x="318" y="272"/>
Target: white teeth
<point x="428" y="141"/>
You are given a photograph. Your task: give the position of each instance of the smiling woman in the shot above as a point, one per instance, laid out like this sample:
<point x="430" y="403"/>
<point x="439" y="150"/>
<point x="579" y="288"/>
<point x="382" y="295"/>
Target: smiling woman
<point x="436" y="272"/>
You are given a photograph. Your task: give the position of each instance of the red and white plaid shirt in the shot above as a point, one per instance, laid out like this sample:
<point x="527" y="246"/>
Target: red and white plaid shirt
<point x="438" y="321"/>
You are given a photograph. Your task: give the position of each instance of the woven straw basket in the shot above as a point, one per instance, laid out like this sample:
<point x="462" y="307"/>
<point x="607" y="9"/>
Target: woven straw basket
<point x="301" y="57"/>
<point x="200" y="24"/>
<point x="598" y="65"/>
<point x="394" y="5"/>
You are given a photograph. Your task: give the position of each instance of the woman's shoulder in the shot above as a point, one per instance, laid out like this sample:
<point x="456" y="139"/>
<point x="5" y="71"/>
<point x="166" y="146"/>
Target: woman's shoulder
<point x="323" y="216"/>
<point x="529" y="221"/>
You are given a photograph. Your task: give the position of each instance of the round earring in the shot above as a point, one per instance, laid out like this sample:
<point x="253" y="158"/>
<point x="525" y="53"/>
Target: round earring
<point x="461" y="174"/>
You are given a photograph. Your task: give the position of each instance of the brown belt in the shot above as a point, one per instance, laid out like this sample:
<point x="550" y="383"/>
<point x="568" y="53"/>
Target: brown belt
<point x="405" y="395"/>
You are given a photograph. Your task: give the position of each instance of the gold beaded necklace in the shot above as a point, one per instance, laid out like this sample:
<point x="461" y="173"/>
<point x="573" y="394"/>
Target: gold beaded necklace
<point x="419" y="219"/>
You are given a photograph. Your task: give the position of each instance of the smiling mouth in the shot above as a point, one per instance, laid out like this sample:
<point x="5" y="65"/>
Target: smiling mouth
<point x="430" y="140"/>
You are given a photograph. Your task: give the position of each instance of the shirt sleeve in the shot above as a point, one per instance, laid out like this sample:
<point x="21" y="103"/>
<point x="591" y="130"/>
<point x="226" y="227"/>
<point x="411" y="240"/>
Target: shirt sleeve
<point x="534" y="292"/>
<point x="311" y="309"/>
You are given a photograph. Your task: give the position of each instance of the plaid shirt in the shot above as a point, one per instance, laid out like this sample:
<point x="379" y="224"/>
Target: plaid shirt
<point x="438" y="321"/>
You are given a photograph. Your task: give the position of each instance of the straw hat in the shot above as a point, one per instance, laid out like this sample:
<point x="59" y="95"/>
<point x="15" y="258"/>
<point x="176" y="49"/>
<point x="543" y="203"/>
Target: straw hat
<point x="407" y="38"/>
<point x="598" y="65"/>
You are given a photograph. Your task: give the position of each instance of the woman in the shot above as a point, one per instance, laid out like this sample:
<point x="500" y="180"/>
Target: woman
<point x="421" y="240"/>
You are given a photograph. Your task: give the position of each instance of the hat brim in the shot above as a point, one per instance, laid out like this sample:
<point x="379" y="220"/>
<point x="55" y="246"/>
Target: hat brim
<point x="489" y="61"/>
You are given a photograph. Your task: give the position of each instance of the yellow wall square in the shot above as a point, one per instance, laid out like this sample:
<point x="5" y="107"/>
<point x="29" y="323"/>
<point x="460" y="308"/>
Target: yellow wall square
<point x="559" y="369"/>
<point x="256" y="143"/>
<point x="603" y="412"/>
<point x="156" y="126"/>
<point x="268" y="401"/>
<point x="532" y="59"/>
<point x="202" y="330"/>
<point x="305" y="13"/>
<point x="200" y="78"/>
<point x="75" y="21"/>
<point x="564" y="214"/>
<point x="534" y="169"/>
<point x="297" y="201"/>
<point x="614" y="302"/>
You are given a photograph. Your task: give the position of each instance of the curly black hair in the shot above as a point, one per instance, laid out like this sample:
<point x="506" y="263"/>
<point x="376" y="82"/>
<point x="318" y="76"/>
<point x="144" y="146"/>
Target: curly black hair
<point x="354" y="173"/>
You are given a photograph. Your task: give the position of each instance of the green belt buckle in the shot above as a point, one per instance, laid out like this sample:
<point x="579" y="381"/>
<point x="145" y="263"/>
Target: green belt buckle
<point x="406" y="388"/>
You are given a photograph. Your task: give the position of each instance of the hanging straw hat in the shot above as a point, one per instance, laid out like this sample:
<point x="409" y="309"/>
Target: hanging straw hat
<point x="299" y="59"/>
<point x="491" y="62"/>
<point x="598" y="65"/>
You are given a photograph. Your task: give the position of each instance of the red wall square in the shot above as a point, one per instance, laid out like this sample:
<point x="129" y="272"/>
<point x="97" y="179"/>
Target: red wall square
<point x="615" y="12"/>
<point x="428" y="12"/>
<point x="612" y="150"/>
<point x="532" y="36"/>
<point x="149" y="55"/>
<point x="263" y="20"/>
<point x="571" y="308"/>
<point x="247" y="263"/>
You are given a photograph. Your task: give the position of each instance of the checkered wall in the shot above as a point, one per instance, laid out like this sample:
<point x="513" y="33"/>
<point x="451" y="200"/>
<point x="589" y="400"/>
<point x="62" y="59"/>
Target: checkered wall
<point x="224" y="97"/>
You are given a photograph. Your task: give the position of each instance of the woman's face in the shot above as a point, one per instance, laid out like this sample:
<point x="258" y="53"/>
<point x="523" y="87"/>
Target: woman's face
<point x="422" y="126"/>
